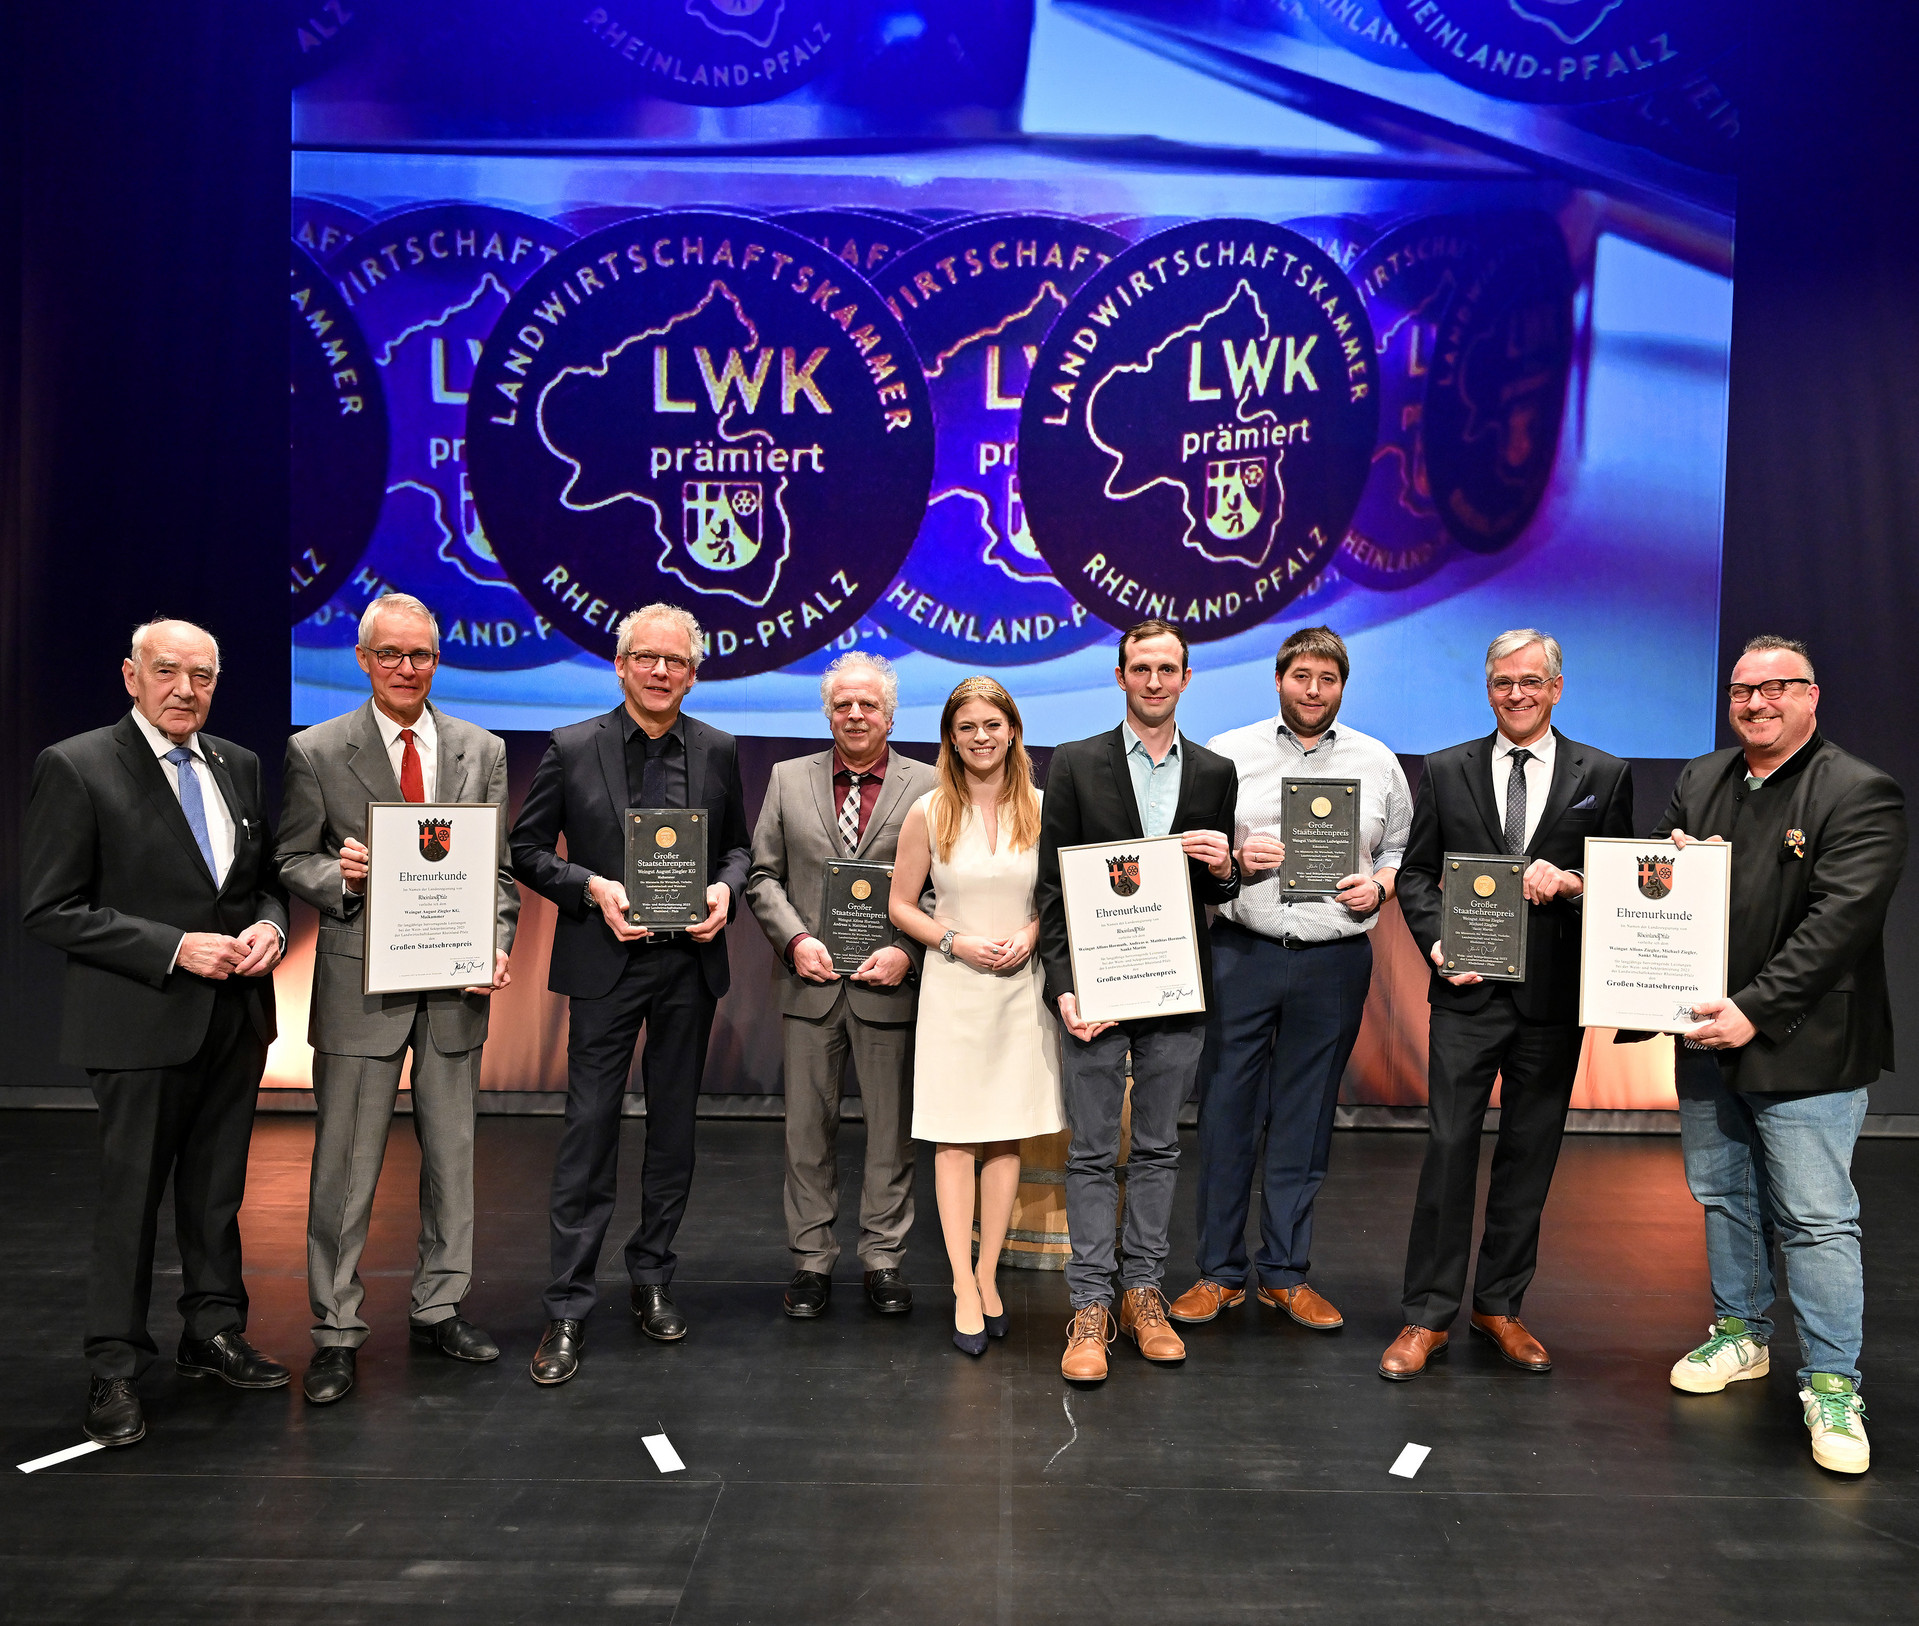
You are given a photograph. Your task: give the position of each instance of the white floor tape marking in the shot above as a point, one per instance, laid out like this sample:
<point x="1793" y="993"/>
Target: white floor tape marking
<point x="1408" y="1462"/>
<point x="67" y="1455"/>
<point x="665" y="1458"/>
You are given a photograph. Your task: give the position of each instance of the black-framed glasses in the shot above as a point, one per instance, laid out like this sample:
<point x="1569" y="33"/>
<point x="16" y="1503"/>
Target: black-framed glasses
<point x="422" y="660"/>
<point x="1525" y="685"/>
<point x="1771" y="689"/>
<point x="676" y="665"/>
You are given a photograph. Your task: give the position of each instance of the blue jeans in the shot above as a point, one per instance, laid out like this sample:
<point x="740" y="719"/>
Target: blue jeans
<point x="1759" y="1164"/>
<point x="1283" y="1024"/>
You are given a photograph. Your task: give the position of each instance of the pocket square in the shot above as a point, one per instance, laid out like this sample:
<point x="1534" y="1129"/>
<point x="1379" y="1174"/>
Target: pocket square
<point x="1581" y="806"/>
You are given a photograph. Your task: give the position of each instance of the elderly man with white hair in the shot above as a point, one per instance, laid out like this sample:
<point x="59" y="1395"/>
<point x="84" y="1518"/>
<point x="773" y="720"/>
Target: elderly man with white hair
<point x="619" y="977"/>
<point x="398" y="746"/>
<point x="844" y="803"/>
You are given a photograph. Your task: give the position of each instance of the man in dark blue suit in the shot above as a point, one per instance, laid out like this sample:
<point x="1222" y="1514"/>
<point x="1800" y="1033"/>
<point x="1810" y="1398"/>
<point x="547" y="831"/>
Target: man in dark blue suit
<point x="619" y="977"/>
<point x="145" y="857"/>
<point x="1529" y="791"/>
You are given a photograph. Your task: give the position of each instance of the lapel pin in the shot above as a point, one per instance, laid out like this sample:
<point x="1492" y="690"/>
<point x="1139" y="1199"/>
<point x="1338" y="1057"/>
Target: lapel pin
<point x="1796" y="840"/>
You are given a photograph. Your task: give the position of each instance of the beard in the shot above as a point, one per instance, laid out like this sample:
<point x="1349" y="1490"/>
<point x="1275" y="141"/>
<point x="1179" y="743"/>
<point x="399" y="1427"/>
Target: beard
<point x="1298" y="723"/>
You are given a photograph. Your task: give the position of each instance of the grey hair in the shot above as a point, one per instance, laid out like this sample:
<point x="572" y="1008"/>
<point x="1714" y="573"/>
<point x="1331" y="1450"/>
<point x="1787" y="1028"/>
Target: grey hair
<point x="1511" y="643"/>
<point x="138" y="648"/>
<point x="1772" y="640"/>
<point x="683" y="619"/>
<point x="857" y="660"/>
<point x="395" y="601"/>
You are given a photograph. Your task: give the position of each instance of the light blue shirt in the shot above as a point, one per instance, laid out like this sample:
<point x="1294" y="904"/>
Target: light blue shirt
<point x="1155" y="784"/>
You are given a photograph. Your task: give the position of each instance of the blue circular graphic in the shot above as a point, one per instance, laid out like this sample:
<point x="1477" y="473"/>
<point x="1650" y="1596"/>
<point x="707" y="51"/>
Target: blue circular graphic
<point x="1496" y="394"/>
<point x="711" y="53"/>
<point x="707" y="409"/>
<point x="427" y="286"/>
<point x="863" y="238"/>
<point x="338" y="424"/>
<point x="323" y="227"/>
<point x="1198" y="427"/>
<point x="1567" y="50"/>
<point x="977" y="300"/>
<point x="1362" y="27"/>
<point x="1406" y="281"/>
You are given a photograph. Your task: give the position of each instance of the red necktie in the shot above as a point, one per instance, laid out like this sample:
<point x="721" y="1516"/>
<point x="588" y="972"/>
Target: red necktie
<point x="412" y="783"/>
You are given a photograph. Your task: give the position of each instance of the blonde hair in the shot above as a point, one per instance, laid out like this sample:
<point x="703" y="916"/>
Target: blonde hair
<point x="1018" y="800"/>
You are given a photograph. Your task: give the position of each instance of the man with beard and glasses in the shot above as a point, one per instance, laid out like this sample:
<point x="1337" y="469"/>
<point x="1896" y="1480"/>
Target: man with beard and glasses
<point x="1290" y="976"/>
<point x="1772" y="1084"/>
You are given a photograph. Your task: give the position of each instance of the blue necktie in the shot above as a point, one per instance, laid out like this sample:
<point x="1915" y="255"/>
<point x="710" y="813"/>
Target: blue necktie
<point x="193" y="807"/>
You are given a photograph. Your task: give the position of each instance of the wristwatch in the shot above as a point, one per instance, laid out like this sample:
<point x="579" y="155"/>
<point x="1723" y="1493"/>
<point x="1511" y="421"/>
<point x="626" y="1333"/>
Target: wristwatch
<point x="591" y="906"/>
<point x="946" y="945"/>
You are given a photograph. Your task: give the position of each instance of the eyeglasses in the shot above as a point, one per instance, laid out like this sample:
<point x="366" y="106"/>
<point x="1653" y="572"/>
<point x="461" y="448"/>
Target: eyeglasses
<point x="1503" y="686"/>
<point x="1772" y="689"/>
<point x="676" y="665"/>
<point x="422" y="660"/>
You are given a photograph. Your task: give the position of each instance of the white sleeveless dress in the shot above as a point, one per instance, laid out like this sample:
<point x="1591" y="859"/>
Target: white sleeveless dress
<point x="986" y="1053"/>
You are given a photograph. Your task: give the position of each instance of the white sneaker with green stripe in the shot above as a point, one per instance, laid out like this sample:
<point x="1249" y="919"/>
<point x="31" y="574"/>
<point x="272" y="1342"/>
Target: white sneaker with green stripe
<point x="1729" y="1355"/>
<point x="1836" y="1419"/>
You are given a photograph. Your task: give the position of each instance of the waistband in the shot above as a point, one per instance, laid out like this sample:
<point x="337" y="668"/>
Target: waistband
<point x="1298" y="944"/>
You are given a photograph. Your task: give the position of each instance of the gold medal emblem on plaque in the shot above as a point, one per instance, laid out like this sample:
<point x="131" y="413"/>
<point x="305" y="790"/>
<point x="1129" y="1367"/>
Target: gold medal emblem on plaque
<point x="1485" y="885"/>
<point x="665" y="836"/>
<point x="862" y="890"/>
<point x="1322" y="805"/>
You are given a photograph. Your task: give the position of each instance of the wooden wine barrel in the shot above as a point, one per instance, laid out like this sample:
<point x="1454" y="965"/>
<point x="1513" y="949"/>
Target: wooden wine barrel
<point x="1036" y="1238"/>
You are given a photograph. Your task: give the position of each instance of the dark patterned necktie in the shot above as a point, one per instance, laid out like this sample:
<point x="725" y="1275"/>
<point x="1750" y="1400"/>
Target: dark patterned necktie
<point x="1516" y="803"/>
<point x="850" y="813"/>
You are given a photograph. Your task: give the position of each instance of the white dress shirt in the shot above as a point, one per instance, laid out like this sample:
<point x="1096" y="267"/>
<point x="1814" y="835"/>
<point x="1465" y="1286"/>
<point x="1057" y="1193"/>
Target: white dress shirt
<point x="426" y="740"/>
<point x="1539" y="778"/>
<point x="1266" y="753"/>
<point x="213" y="803"/>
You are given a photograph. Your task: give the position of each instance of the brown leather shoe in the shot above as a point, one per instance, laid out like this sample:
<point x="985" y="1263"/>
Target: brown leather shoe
<point x="1142" y="1317"/>
<point x="1406" y="1356"/>
<point x="1304" y="1306"/>
<point x="1204" y="1300"/>
<point x="1087" y="1335"/>
<point x="1514" y="1342"/>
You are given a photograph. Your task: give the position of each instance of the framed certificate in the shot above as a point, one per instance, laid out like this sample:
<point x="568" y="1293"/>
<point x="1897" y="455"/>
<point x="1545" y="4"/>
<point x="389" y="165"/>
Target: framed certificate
<point x="432" y="895"/>
<point x="1483" y="914"/>
<point x="666" y="867"/>
<point x="1654" y="934"/>
<point x="1130" y="930"/>
<point x="1319" y="822"/>
<point x="853" y="917"/>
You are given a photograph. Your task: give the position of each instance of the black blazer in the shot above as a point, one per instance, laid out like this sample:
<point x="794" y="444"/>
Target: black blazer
<point x="1807" y="959"/>
<point x="113" y="877"/>
<point x="579" y="791"/>
<point x="1089" y="797"/>
<point x="1454" y="811"/>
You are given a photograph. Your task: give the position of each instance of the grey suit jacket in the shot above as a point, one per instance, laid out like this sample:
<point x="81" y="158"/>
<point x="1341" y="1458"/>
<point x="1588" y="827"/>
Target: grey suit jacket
<point x="798" y="834"/>
<point x="332" y="771"/>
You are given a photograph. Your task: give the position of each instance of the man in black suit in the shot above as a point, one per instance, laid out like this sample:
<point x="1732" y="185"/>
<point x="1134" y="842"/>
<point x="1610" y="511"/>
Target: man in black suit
<point x="1143" y="778"/>
<point x="1526" y="790"/>
<point x="145" y="861"/>
<point x="1772" y="1085"/>
<point x="619" y="977"/>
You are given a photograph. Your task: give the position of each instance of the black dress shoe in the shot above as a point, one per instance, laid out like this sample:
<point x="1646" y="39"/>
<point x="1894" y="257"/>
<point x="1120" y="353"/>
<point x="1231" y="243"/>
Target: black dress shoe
<point x="230" y="1358"/>
<point x="887" y="1292"/>
<point x="113" y="1412"/>
<point x="806" y="1294"/>
<point x="657" y="1314"/>
<point x="329" y="1375"/>
<point x="558" y="1356"/>
<point x="460" y="1339"/>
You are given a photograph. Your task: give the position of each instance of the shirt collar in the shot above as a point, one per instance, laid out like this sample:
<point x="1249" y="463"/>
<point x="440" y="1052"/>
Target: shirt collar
<point x="1793" y="765"/>
<point x="160" y="744"/>
<point x="424" y="733"/>
<point x="628" y="728"/>
<point x="1135" y="743"/>
<point x="1326" y="738"/>
<point x="877" y="771"/>
<point x="1541" y="748"/>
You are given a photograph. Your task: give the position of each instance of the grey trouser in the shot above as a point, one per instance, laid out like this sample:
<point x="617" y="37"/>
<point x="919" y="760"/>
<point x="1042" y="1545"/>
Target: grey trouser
<point x="816" y="1053"/>
<point x="1165" y="1058"/>
<point x="354" y="1096"/>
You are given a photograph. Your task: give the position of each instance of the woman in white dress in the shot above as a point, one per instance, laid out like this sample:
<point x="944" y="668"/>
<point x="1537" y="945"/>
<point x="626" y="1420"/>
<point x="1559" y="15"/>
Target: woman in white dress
<point x="986" y="1052"/>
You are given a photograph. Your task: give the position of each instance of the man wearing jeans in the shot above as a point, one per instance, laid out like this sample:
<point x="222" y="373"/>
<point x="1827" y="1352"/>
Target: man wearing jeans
<point x="1144" y="778"/>
<point x="1772" y="1085"/>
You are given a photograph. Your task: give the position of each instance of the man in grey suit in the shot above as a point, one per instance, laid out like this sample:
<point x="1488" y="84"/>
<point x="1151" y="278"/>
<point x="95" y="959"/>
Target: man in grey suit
<point x="848" y="802"/>
<point x="397" y="747"/>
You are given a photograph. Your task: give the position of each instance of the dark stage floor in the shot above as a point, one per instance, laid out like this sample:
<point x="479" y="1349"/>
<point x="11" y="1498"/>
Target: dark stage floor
<point x="861" y="1470"/>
